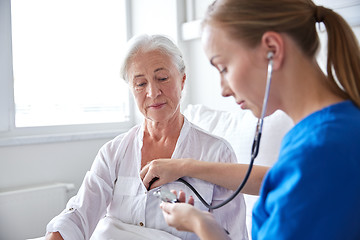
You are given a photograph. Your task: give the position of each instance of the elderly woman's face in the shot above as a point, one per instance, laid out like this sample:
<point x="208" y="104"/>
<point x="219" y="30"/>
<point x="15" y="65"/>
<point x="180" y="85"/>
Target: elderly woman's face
<point x="156" y="84"/>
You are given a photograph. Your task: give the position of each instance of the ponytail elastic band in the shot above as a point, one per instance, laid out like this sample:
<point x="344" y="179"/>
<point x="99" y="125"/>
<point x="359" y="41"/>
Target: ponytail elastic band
<point x="320" y="13"/>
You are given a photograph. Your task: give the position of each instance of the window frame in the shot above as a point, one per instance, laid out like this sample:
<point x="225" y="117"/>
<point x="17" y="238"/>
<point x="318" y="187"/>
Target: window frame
<point x="10" y="134"/>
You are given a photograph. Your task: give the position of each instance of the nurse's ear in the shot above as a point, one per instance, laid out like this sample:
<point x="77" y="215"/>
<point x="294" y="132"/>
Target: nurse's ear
<point x="273" y="42"/>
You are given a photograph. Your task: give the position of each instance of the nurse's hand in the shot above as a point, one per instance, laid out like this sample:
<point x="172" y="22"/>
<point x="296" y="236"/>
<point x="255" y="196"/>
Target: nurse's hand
<point x="185" y="217"/>
<point x="166" y="170"/>
<point x="181" y="216"/>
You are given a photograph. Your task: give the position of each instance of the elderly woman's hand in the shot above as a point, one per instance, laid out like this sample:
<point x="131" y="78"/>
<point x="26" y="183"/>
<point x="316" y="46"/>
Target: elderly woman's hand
<point x="163" y="170"/>
<point x="54" y="236"/>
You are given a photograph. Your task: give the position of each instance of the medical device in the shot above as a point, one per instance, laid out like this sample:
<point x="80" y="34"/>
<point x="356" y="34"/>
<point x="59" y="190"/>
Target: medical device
<point x="165" y="196"/>
<point x="170" y="197"/>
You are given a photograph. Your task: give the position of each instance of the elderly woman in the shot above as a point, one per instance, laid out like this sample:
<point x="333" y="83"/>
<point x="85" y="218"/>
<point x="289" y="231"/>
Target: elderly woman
<point x="155" y="71"/>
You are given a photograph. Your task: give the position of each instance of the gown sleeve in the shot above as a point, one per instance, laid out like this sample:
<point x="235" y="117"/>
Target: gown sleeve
<point x="88" y="206"/>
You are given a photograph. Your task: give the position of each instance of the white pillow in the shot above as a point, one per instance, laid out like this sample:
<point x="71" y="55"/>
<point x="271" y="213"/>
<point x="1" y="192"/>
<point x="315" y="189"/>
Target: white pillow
<point x="238" y="128"/>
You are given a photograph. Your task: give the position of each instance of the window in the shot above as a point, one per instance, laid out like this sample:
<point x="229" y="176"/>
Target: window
<point x="65" y="67"/>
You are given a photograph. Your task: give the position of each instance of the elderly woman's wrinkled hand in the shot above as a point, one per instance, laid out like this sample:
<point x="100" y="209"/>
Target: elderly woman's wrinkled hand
<point x="54" y="236"/>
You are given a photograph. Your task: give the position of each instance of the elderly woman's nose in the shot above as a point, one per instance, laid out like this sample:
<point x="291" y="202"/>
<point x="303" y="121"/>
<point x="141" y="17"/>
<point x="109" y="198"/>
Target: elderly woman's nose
<point x="153" y="90"/>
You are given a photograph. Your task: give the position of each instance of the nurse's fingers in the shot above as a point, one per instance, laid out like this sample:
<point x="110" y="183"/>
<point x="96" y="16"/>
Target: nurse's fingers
<point x="191" y="200"/>
<point x="166" y="207"/>
<point x="144" y="171"/>
<point x="156" y="173"/>
<point x="175" y="193"/>
<point x="179" y="215"/>
<point x="182" y="196"/>
<point x="150" y="179"/>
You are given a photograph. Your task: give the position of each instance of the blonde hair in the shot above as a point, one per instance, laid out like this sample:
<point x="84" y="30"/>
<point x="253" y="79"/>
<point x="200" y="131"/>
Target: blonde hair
<point x="248" y="20"/>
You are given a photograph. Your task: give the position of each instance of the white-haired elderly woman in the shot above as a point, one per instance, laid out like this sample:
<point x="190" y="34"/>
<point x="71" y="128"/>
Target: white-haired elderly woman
<point x="113" y="200"/>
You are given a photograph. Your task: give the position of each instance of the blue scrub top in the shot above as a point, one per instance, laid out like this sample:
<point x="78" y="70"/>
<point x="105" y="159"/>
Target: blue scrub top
<point x="313" y="190"/>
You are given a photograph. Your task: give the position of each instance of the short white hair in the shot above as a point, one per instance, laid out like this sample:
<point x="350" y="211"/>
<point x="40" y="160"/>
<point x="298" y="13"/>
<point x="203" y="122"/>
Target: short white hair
<point x="146" y="43"/>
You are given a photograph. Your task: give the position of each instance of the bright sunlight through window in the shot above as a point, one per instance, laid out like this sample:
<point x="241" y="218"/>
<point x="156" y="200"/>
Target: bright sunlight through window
<point x="66" y="61"/>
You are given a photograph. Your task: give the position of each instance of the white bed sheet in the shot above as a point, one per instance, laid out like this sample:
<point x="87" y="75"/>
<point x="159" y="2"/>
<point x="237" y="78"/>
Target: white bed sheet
<point x="113" y="229"/>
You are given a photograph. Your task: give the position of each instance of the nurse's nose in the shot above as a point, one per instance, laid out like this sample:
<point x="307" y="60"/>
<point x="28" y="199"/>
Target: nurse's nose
<point x="153" y="90"/>
<point x="225" y="89"/>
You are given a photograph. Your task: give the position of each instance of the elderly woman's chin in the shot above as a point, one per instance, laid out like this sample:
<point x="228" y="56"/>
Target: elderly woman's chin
<point x="161" y="115"/>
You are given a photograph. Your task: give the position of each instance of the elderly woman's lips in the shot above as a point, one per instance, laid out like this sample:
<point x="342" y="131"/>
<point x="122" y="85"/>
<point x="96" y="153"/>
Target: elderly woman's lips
<point x="157" y="105"/>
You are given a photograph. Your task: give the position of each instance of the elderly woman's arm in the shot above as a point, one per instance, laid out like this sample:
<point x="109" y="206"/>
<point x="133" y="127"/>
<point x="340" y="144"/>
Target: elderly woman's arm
<point x="228" y="175"/>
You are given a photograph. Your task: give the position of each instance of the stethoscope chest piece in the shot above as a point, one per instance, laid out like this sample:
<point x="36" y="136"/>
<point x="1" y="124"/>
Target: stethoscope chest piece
<point x="165" y="195"/>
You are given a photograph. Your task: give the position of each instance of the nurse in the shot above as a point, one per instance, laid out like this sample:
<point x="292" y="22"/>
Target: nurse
<point x="313" y="190"/>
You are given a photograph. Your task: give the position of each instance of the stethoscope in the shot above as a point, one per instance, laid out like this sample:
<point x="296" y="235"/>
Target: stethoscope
<point x="170" y="197"/>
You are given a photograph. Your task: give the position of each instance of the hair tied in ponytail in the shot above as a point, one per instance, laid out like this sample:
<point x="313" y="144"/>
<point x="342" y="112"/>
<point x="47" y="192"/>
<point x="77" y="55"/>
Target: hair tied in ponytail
<point x="320" y="12"/>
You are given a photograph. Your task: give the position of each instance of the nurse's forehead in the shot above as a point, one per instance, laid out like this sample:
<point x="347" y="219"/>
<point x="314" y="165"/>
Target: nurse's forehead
<point x="210" y="41"/>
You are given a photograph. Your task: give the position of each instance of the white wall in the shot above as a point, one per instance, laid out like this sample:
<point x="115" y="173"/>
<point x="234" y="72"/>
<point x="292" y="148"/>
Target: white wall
<point x="31" y="165"/>
<point x="203" y="80"/>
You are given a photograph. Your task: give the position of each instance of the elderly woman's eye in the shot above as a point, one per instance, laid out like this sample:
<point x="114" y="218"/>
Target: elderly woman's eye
<point x="141" y="84"/>
<point x="163" y="79"/>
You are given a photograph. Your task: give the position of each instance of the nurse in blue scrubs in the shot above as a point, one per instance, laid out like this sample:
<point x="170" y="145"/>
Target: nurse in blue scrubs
<point x="313" y="191"/>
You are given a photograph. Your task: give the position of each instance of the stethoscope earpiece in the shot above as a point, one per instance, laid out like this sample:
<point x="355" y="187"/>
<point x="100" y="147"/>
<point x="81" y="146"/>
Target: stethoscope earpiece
<point x="270" y="55"/>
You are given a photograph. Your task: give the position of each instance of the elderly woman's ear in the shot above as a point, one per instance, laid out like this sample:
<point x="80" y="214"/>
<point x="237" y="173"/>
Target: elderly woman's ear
<point x="183" y="81"/>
